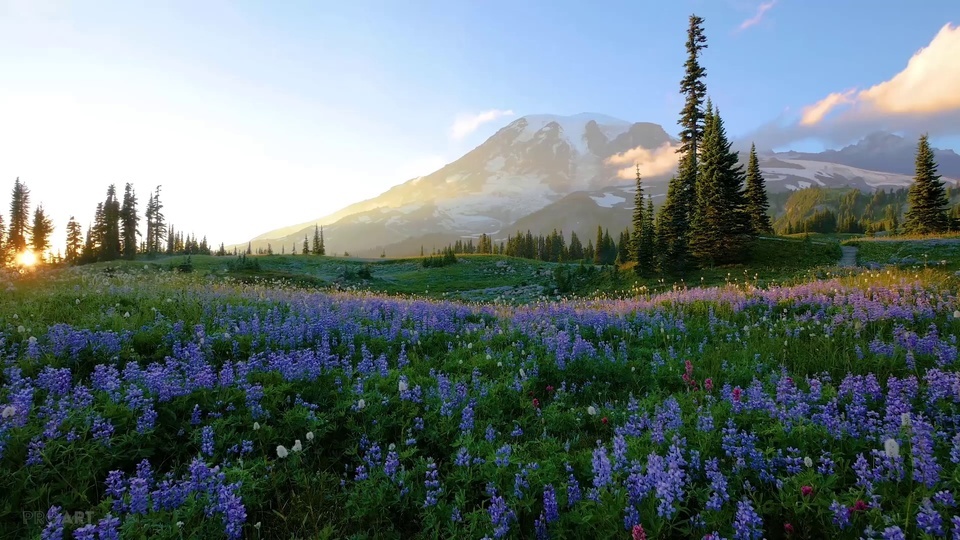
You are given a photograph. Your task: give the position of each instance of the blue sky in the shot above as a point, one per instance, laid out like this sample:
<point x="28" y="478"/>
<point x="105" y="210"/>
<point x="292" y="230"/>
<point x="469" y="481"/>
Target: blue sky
<point x="256" y="115"/>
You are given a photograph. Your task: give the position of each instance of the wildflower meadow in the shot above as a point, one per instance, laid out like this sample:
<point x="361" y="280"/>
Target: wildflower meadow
<point x="143" y="403"/>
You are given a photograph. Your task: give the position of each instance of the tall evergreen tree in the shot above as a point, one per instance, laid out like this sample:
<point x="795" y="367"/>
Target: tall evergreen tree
<point x="676" y="213"/>
<point x="306" y="246"/>
<point x="598" y="250"/>
<point x="19" y="218"/>
<point x="156" y="224"/>
<point x="646" y="254"/>
<point x="756" y="195"/>
<point x="97" y="233"/>
<point x="129" y="222"/>
<point x="322" y="250"/>
<point x="637" y="222"/>
<point x="111" y="233"/>
<point x="576" y="247"/>
<point x="40" y="232"/>
<point x="927" y="198"/>
<point x="720" y="227"/>
<point x="316" y="240"/>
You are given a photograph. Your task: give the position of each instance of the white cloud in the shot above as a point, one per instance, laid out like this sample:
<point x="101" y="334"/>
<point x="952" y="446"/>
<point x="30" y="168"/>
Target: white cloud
<point x="466" y="124"/>
<point x="761" y="11"/>
<point x="923" y="97"/>
<point x="656" y="162"/>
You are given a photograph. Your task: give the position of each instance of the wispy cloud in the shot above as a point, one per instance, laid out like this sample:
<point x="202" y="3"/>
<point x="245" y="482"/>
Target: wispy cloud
<point x="466" y="124"/>
<point x="762" y="9"/>
<point x="923" y="97"/>
<point x="660" y="160"/>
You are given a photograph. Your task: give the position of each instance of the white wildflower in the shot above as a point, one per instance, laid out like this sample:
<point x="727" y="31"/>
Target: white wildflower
<point x="297" y="446"/>
<point x="891" y="448"/>
<point x="281" y="451"/>
<point x="469" y="346"/>
<point x="905" y="419"/>
<point x="591" y="410"/>
<point x="256" y="525"/>
<point x="808" y="462"/>
<point x="402" y="386"/>
<point x="8" y="411"/>
<point x="179" y="524"/>
<point x="226" y="335"/>
<point x="361" y="404"/>
<point x="309" y="435"/>
<point x="32" y="340"/>
<point x="256" y="426"/>
<point x="499" y="364"/>
<point x="77" y="301"/>
<point x="21" y="329"/>
<point x="489" y="357"/>
<point x="146" y="267"/>
<point x="523" y="374"/>
<point x="15" y="316"/>
<point x="392" y="447"/>
<point x="956" y="314"/>
<point x="126" y="315"/>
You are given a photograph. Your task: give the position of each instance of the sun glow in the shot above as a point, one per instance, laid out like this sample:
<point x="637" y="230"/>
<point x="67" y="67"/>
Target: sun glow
<point x="27" y="258"/>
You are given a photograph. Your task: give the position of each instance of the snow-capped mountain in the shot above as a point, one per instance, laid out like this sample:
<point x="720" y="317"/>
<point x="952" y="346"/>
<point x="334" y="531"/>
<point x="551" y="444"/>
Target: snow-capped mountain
<point x="542" y="172"/>
<point x="525" y="166"/>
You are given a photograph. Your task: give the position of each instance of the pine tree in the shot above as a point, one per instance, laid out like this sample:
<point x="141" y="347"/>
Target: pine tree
<point x="249" y="248"/>
<point x="598" y="250"/>
<point x="576" y="247"/>
<point x="322" y="249"/>
<point x="19" y="218"/>
<point x="129" y="223"/>
<point x="720" y="226"/>
<point x="40" y="232"/>
<point x="623" y="247"/>
<point x="676" y="213"/>
<point x="637" y="239"/>
<point x="111" y="231"/>
<point x="156" y="225"/>
<point x="928" y="198"/>
<point x="306" y="246"/>
<point x="646" y="256"/>
<point x="756" y="195"/>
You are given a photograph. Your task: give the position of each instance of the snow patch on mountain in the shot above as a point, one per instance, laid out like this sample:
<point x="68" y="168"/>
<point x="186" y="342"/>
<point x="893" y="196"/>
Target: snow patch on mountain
<point x="573" y="127"/>
<point x="608" y="200"/>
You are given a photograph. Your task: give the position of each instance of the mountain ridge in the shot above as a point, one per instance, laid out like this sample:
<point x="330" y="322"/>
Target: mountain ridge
<point x="543" y="163"/>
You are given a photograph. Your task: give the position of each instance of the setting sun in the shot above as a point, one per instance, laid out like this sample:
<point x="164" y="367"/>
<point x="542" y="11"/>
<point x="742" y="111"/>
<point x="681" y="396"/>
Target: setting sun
<point x="27" y="258"/>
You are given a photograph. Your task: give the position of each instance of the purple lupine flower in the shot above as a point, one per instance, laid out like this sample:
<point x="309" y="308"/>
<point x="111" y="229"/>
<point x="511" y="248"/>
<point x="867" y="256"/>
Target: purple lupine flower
<point x="206" y="440"/>
<point x="602" y="474"/>
<point x="929" y="520"/>
<point x="551" y="512"/>
<point x="108" y="528"/>
<point x="432" y="483"/>
<point x="841" y="514"/>
<point x="893" y="533"/>
<point x="747" y="524"/>
<point x="573" y="487"/>
<point x="54" y="528"/>
<point x="500" y="516"/>
<point x="503" y="456"/>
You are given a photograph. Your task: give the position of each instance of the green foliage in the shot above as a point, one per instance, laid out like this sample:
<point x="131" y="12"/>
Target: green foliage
<point x="928" y="199"/>
<point x="40" y="231"/>
<point x="438" y="261"/>
<point x="756" y="196"/>
<point x="19" y="218"/>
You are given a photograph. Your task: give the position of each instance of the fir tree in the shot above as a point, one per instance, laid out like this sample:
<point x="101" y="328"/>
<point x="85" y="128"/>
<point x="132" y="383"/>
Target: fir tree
<point x="576" y="248"/>
<point x="720" y="226"/>
<point x="19" y="218"/>
<point x="598" y="249"/>
<point x="322" y="250"/>
<point x="129" y="222"/>
<point x="156" y="225"/>
<point x="676" y="213"/>
<point x="306" y="246"/>
<point x="97" y="232"/>
<point x="40" y="232"/>
<point x="756" y="195"/>
<point x="646" y="256"/>
<point x="249" y="248"/>
<point x="111" y="231"/>
<point x="637" y="239"/>
<point x="928" y="199"/>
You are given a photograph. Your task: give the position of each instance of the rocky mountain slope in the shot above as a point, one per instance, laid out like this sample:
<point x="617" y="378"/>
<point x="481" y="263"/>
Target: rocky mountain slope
<point x="542" y="172"/>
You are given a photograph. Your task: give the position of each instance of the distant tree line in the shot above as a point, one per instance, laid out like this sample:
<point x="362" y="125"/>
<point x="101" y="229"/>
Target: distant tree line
<point x="114" y="233"/>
